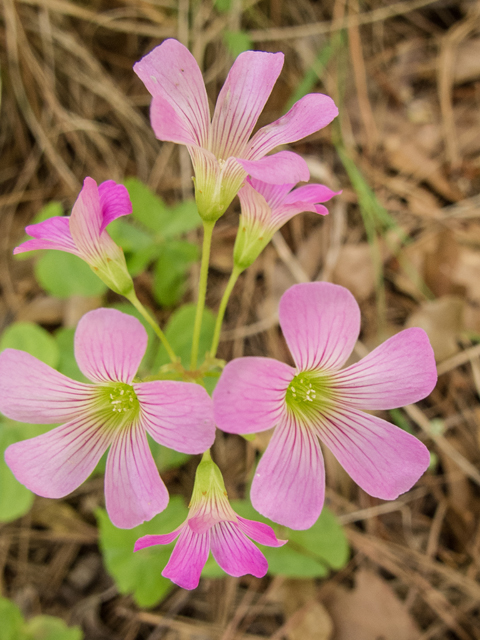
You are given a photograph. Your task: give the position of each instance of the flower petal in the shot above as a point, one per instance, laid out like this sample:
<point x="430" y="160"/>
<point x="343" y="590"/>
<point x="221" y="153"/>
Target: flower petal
<point x="235" y="553"/>
<point x="312" y="193"/>
<point x="311" y="113"/>
<point x="321" y="323"/>
<point x="289" y="484"/>
<point x="250" y="395"/>
<point x="150" y="541"/>
<point x="31" y="391"/>
<point x="178" y="415"/>
<point x="109" y="345"/>
<point x="279" y="168"/>
<point x="114" y="201"/>
<point x="86" y="221"/>
<point x="171" y="73"/>
<point x="400" y="371"/>
<point x="188" y="559"/>
<point x="260" y="532"/>
<point x="241" y="100"/>
<point x="53" y="233"/>
<point x="134" y="491"/>
<point x="52" y="465"/>
<point x="384" y="460"/>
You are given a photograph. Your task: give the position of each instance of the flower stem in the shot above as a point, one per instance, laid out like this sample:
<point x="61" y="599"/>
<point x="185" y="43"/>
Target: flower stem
<point x="223" y="305"/>
<point x="202" y="290"/>
<point x="132" y="297"/>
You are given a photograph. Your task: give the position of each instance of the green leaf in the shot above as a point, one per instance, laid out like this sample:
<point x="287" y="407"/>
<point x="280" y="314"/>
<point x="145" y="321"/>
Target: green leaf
<point x="129" y="236"/>
<point x="166" y="458"/>
<point x="171" y="270"/>
<point x="11" y="621"/>
<point x="65" y="338"/>
<point x="29" y="337"/>
<point x="51" y="628"/>
<point x="147" y="208"/>
<point x="237" y="42"/>
<point x="179" y="333"/>
<point x="223" y="5"/>
<point x="153" y="213"/>
<point x="182" y="218"/>
<point x="63" y="275"/>
<point x="308" y="554"/>
<point x="15" y="499"/>
<point x="138" y="262"/>
<point x="140" y="573"/>
<point x="51" y="210"/>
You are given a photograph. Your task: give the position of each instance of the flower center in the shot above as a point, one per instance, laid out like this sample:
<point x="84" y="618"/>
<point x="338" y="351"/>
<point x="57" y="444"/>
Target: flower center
<point x="118" y="403"/>
<point x="309" y="393"/>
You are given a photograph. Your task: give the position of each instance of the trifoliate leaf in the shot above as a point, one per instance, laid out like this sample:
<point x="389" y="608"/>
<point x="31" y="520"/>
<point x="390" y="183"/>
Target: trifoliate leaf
<point x="31" y="338"/>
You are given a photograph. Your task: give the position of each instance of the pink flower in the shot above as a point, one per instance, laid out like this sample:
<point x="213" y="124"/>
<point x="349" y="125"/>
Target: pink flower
<point x="318" y="401"/>
<point x="84" y="232"/>
<point x="266" y="208"/>
<point x="212" y="525"/>
<point x="221" y="150"/>
<point x="114" y="411"/>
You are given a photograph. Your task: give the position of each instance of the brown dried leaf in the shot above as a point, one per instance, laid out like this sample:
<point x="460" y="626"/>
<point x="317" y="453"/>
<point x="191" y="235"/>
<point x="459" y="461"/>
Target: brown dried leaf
<point x="372" y="610"/>
<point x="309" y="619"/>
<point x="354" y="270"/>
<point x="467" y="61"/>
<point x="442" y="319"/>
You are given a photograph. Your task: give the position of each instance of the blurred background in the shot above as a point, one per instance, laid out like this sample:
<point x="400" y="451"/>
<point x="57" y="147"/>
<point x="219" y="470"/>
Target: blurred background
<point x="404" y="237"/>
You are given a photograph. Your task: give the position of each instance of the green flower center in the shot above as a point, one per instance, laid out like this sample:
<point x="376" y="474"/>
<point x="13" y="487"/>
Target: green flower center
<point x="118" y="403"/>
<point x="309" y="394"/>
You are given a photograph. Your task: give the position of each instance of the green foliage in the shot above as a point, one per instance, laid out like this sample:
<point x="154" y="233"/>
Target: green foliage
<point x="237" y="42"/>
<point x="308" y="554"/>
<point x="153" y="235"/>
<point x="29" y="337"/>
<point x="14" y="627"/>
<point x="63" y="275"/>
<point x="179" y="333"/>
<point x="140" y="573"/>
<point x="171" y="269"/>
<point x="67" y="364"/>
<point x="51" y="210"/>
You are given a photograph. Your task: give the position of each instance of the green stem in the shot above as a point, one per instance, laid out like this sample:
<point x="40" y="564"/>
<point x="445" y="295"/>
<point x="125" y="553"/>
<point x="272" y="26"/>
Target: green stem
<point x="132" y="297"/>
<point x="221" y="311"/>
<point x="202" y="290"/>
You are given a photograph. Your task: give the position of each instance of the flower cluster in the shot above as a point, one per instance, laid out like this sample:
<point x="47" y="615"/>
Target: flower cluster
<point x="311" y="402"/>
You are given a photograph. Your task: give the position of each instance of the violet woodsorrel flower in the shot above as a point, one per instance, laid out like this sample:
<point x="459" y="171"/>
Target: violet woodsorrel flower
<point x="212" y="525"/>
<point x="318" y="401"/>
<point x="266" y="208"/>
<point x="83" y="232"/>
<point x="221" y="152"/>
<point x="113" y="412"/>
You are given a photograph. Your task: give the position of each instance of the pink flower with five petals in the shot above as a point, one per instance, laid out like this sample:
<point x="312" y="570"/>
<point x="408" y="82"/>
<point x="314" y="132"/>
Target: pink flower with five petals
<point x="222" y="151"/>
<point x="317" y="400"/>
<point x="212" y="525"/>
<point x="115" y="411"/>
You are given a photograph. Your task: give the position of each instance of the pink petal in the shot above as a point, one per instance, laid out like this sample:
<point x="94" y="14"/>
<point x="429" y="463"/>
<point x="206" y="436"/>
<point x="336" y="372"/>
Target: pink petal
<point x="134" y="491"/>
<point x="260" y="532"/>
<point x="241" y="100"/>
<point x="150" y="541"/>
<point x="53" y="233"/>
<point x="312" y="193"/>
<point x="250" y="395"/>
<point x="109" y="345"/>
<point x="171" y="73"/>
<point x="274" y="194"/>
<point x="382" y="459"/>
<point x="289" y="485"/>
<point x="279" y="168"/>
<point x="188" y="559"/>
<point x="311" y="113"/>
<point x="170" y="125"/>
<point x="321" y="323"/>
<point x="55" y="463"/>
<point x="235" y="553"/>
<point x="86" y="221"/>
<point x="114" y="201"/>
<point x="31" y="391"/>
<point x="400" y="371"/>
<point x="178" y="415"/>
